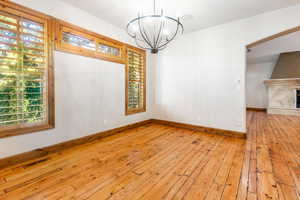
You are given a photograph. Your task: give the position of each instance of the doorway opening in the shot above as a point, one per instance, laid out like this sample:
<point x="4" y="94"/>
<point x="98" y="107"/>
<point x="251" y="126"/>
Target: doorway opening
<point x="273" y="75"/>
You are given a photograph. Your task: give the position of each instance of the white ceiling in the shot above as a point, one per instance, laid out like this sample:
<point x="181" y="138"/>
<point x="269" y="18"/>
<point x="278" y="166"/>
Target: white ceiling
<point x="269" y="51"/>
<point x="205" y="13"/>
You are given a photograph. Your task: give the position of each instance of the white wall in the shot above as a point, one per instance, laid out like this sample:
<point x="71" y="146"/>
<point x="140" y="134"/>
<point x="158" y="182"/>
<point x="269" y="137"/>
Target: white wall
<point x="201" y="77"/>
<point x="89" y="93"/>
<point x="256" y="90"/>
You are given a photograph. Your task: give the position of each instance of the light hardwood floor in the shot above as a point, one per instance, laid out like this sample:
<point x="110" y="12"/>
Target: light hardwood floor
<point x="161" y="162"/>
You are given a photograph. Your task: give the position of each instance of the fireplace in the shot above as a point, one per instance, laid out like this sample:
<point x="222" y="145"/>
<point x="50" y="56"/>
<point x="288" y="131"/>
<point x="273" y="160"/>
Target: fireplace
<point x="284" y="85"/>
<point x="298" y="98"/>
<point x="284" y="96"/>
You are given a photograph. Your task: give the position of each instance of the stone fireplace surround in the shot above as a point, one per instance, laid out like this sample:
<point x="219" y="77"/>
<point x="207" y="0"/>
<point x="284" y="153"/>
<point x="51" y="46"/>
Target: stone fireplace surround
<point x="282" y="96"/>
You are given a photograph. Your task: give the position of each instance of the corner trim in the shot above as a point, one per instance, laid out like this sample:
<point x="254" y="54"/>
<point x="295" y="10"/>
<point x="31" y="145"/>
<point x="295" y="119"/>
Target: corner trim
<point x="216" y="131"/>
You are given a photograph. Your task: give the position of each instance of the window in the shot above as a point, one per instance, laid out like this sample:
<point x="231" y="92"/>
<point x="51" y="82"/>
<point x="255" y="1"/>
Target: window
<point x="72" y="39"/>
<point x="109" y="50"/>
<point x="135" y="81"/>
<point x="26" y="91"/>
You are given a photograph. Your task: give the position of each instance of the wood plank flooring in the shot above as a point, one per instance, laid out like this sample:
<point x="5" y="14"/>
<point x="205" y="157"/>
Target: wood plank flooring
<point x="161" y="162"/>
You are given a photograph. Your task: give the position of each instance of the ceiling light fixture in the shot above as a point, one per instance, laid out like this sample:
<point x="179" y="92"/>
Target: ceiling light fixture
<point x="154" y="32"/>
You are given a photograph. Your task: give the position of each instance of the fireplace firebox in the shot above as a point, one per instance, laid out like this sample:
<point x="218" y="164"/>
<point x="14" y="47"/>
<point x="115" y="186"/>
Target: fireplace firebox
<point x="298" y="98"/>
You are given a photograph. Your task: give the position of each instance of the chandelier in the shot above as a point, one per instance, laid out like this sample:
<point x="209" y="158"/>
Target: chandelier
<point x="154" y="32"/>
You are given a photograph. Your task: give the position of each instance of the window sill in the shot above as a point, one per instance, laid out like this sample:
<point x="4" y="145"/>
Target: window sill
<point x="131" y="112"/>
<point x="26" y="130"/>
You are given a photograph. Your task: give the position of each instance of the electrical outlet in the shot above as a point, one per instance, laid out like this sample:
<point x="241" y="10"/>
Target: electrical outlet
<point x="104" y="121"/>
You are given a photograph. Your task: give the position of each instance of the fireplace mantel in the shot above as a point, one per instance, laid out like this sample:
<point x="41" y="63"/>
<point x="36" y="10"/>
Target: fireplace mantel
<point x="290" y="81"/>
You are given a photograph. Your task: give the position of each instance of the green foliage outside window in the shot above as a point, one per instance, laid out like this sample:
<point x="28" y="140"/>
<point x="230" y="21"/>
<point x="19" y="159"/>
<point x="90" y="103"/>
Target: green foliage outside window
<point x="21" y="73"/>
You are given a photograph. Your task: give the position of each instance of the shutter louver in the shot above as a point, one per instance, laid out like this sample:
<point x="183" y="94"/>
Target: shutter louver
<point x="23" y="71"/>
<point x="135" y="81"/>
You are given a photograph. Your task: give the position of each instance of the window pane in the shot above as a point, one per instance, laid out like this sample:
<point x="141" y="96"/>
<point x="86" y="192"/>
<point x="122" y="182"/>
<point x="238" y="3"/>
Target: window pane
<point x="33" y="58"/>
<point x="7" y="47"/>
<point x="79" y="41"/>
<point x="33" y="45"/>
<point x="109" y="50"/>
<point x="24" y="30"/>
<point x="34" y="52"/>
<point x="8" y="54"/>
<point x="32" y="25"/>
<point x="7" y="62"/>
<point x="7" y="33"/>
<point x="31" y="38"/>
<point x="8" y="19"/>
<point x="8" y="26"/>
<point x="8" y="40"/>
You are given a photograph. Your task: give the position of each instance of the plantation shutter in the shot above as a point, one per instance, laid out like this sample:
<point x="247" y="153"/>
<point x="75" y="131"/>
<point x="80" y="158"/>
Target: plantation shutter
<point x="23" y="71"/>
<point x="136" y="81"/>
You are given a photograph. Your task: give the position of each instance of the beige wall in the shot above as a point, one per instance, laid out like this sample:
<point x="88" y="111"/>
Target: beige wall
<point x="288" y="66"/>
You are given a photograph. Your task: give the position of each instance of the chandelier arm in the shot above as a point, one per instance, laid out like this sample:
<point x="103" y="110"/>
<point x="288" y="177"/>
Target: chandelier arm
<point x="140" y="46"/>
<point x="168" y="41"/>
<point x="137" y="38"/>
<point x="141" y="40"/>
<point x="165" y="44"/>
<point x="154" y="36"/>
<point x="146" y="35"/>
<point x="142" y="34"/>
<point x="162" y="48"/>
<point x="127" y="30"/>
<point x="178" y="25"/>
<point x="160" y="39"/>
<point x="162" y="25"/>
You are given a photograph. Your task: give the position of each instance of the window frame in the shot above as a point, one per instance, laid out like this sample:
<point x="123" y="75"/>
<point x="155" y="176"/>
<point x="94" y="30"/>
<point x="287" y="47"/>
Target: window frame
<point x="143" y="108"/>
<point x="60" y="26"/>
<point x="20" y="11"/>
